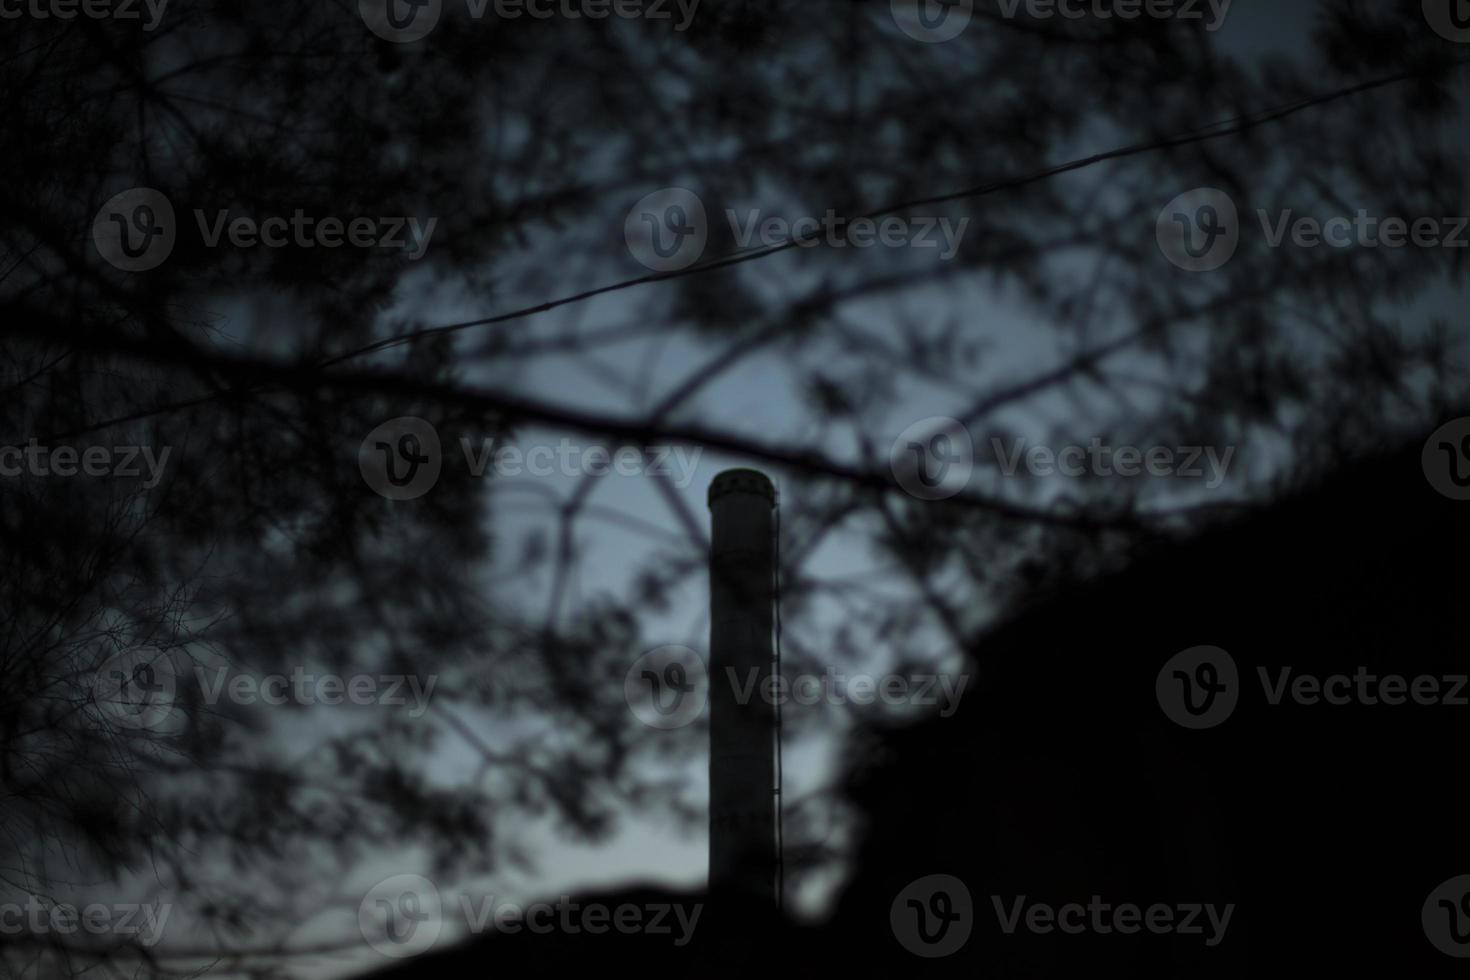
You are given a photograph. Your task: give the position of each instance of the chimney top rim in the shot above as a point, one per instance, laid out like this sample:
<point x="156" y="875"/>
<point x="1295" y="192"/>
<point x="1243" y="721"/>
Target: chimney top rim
<point x="742" y="480"/>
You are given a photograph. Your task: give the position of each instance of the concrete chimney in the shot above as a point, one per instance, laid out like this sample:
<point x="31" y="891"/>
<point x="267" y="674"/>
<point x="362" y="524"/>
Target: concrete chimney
<point x="742" y="768"/>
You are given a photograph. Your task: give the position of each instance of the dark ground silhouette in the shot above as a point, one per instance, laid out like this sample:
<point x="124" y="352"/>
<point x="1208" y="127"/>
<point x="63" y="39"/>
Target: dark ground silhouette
<point x="1061" y="778"/>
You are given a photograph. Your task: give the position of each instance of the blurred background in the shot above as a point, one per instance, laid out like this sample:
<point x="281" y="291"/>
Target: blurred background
<point x="409" y="336"/>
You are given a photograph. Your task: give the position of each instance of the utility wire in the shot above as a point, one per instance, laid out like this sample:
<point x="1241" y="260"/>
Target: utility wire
<point x="1213" y="131"/>
<point x="1225" y="127"/>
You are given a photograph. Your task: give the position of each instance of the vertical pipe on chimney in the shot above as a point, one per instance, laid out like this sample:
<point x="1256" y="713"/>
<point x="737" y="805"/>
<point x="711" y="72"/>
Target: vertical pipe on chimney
<point x="742" y="838"/>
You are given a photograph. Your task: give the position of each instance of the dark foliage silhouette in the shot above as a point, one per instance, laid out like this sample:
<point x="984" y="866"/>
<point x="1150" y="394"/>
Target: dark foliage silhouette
<point x="498" y="298"/>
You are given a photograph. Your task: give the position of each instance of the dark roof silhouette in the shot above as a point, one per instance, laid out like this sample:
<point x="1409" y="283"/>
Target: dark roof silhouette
<point x="1061" y="778"/>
